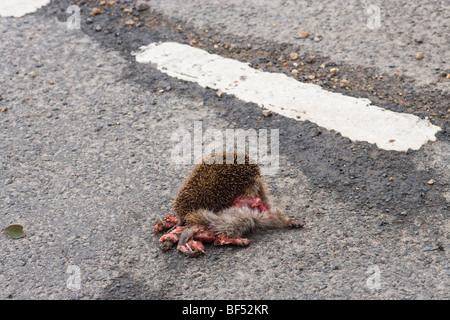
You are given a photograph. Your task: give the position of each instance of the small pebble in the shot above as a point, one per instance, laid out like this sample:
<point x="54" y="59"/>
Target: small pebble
<point x="302" y="34"/>
<point x="96" y="11"/>
<point x="419" y="55"/>
<point x="267" y="113"/>
<point x="311" y="59"/>
<point x="142" y="6"/>
<point x="334" y="70"/>
<point x="431" y="182"/>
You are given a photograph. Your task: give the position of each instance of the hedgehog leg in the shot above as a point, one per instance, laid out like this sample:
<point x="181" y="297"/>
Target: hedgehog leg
<point x="188" y="234"/>
<point x="222" y="239"/>
<point x="179" y="223"/>
<point x="192" y="248"/>
<point x="190" y="240"/>
<point x="169" y="222"/>
<point x="205" y="235"/>
<point x="169" y="239"/>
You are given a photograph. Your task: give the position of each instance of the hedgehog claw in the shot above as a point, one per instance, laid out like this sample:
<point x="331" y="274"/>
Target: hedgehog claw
<point x="293" y="223"/>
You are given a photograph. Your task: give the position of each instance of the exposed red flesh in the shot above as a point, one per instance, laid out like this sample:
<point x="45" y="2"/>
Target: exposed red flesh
<point x="205" y="235"/>
<point x="173" y="235"/>
<point x="192" y="249"/>
<point x="172" y="218"/>
<point x="169" y="222"/>
<point x="222" y="239"/>
<point x="251" y="203"/>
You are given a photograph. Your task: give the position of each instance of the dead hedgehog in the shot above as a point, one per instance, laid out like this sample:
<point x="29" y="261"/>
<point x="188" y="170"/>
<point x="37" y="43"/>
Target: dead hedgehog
<point x="220" y="202"/>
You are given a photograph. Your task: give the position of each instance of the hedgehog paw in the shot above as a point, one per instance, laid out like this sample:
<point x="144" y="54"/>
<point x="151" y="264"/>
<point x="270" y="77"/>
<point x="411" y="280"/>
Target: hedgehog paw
<point x="192" y="248"/>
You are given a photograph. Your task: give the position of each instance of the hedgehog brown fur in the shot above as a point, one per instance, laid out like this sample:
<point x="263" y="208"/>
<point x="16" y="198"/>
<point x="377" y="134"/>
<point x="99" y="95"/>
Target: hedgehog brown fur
<point x="215" y="186"/>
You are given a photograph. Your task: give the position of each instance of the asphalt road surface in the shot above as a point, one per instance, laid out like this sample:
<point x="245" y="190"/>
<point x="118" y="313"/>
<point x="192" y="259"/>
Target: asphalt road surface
<point x="86" y="147"/>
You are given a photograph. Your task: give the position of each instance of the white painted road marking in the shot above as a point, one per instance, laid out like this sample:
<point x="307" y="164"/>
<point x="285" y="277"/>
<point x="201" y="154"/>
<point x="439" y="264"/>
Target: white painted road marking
<point x="354" y="118"/>
<point x="18" y="8"/>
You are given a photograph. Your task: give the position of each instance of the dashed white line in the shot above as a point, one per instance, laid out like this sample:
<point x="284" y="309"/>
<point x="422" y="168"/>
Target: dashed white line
<point x="19" y="8"/>
<point x="354" y="118"/>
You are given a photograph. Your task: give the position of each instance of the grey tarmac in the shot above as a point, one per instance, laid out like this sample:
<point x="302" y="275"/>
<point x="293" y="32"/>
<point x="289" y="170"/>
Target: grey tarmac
<point x="85" y="158"/>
